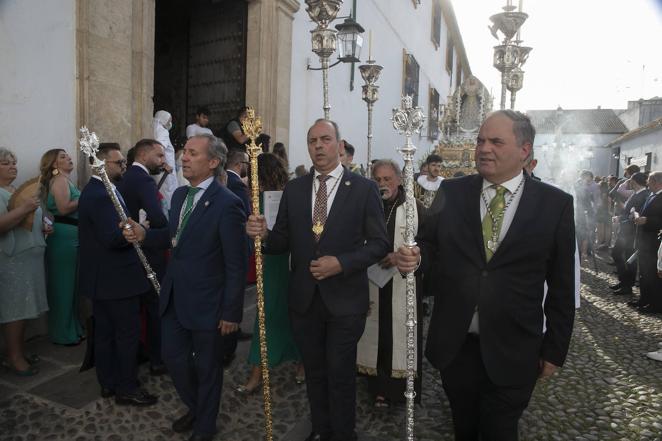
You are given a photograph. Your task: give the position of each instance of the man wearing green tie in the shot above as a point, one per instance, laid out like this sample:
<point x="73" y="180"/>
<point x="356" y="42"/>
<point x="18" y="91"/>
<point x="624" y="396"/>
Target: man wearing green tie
<point x="493" y="240"/>
<point x="202" y="293"/>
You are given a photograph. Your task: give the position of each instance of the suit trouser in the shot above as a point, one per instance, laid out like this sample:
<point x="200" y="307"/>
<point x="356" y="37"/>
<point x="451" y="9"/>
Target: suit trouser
<point x="650" y="285"/>
<point x="116" y="339"/>
<point x="328" y="349"/>
<point x="150" y="302"/>
<point x="481" y="409"/>
<point x="198" y="378"/>
<point x="621" y="253"/>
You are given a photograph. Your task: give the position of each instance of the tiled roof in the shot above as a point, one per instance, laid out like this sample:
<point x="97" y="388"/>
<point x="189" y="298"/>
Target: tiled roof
<point x="578" y="121"/>
<point x="651" y="126"/>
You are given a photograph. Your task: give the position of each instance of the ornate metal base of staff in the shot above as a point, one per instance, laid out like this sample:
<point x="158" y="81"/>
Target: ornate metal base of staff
<point x="252" y="128"/>
<point x="89" y="144"/>
<point x="408" y="120"/>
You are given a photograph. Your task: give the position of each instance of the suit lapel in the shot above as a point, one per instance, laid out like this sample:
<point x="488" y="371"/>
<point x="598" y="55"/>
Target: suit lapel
<point x="308" y="202"/>
<point x="525" y="210"/>
<point x="344" y="186"/>
<point x="200" y="208"/>
<point x="472" y="203"/>
<point x="175" y="209"/>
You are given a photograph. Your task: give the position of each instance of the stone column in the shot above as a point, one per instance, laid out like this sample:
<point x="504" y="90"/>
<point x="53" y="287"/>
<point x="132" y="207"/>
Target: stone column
<point x="269" y="58"/>
<point x="115" y="64"/>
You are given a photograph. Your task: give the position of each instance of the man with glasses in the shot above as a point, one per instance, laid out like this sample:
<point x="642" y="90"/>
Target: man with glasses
<point x="111" y="275"/>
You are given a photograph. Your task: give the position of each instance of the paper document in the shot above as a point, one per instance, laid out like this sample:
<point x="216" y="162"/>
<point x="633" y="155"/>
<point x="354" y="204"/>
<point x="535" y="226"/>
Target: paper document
<point x="380" y="276"/>
<point x="271" y="203"/>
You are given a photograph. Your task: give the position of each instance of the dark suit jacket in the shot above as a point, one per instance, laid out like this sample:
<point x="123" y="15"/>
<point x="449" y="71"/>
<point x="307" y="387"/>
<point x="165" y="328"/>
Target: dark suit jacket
<point x="237" y="186"/>
<point x="648" y="240"/>
<point x="355" y="233"/>
<point x="109" y="267"/>
<point x="139" y="192"/>
<point x="627" y="229"/>
<point x="207" y="270"/>
<point x="508" y="290"/>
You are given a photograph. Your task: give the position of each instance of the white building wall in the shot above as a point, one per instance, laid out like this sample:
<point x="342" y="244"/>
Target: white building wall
<point x="395" y="25"/>
<point x="37" y="80"/>
<point x="638" y="147"/>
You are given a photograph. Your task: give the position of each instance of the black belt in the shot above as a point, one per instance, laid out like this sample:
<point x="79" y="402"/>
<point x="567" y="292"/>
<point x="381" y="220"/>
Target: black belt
<point x="66" y="220"/>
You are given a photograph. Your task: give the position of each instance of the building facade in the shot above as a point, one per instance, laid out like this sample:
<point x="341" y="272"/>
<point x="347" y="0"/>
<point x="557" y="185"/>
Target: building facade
<point x="110" y="65"/>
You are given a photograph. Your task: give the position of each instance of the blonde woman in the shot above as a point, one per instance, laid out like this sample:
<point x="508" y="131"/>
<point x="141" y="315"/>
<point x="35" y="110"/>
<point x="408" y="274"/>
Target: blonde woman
<point x="23" y="288"/>
<point x="61" y="197"/>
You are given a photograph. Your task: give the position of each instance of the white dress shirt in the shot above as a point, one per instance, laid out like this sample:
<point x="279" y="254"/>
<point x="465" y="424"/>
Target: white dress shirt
<point x="489" y="192"/>
<point x="203" y="185"/>
<point x="332" y="184"/>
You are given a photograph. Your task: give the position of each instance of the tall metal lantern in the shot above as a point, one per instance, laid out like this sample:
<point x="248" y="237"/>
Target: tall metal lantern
<point x="408" y="120"/>
<point x="324" y="39"/>
<point x="370" y="73"/>
<point x="509" y="56"/>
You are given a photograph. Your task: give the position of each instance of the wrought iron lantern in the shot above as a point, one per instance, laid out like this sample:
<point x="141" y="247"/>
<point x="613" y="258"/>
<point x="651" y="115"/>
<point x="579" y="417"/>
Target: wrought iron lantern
<point x="350" y="41"/>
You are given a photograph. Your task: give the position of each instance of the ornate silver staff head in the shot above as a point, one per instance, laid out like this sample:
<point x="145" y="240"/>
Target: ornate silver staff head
<point x="408" y="120"/>
<point x="89" y="144"/>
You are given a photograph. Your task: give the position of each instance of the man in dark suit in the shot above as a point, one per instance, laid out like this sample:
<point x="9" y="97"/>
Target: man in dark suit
<point x="332" y="223"/>
<point x="624" y="246"/>
<point x="649" y="224"/>
<point x="237" y="169"/>
<point x="112" y="276"/>
<point x="139" y="191"/>
<point x="495" y="238"/>
<point x="203" y="289"/>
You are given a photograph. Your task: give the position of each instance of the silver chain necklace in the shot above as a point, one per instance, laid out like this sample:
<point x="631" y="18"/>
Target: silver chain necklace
<point x="493" y="243"/>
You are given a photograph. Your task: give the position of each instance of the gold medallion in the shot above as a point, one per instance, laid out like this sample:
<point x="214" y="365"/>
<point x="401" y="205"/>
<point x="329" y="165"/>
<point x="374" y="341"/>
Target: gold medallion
<point x="318" y="228"/>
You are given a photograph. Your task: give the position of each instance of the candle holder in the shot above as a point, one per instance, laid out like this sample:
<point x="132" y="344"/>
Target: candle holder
<point x="370" y="73"/>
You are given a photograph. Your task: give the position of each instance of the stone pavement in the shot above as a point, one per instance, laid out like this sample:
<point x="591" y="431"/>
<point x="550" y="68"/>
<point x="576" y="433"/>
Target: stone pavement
<point x="608" y="390"/>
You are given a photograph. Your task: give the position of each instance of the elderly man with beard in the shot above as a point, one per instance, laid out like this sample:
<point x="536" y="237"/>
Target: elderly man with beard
<point x="382" y="350"/>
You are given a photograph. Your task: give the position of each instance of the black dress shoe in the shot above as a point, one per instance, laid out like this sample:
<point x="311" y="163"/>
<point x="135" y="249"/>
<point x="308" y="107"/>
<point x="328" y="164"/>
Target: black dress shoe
<point x="137" y="398"/>
<point x="184" y="423"/>
<point x="106" y="392"/>
<point x="156" y="370"/>
<point x="615" y="286"/>
<point x="195" y="437"/>
<point x="623" y="290"/>
<point x="635" y="304"/>
<point x="649" y="309"/>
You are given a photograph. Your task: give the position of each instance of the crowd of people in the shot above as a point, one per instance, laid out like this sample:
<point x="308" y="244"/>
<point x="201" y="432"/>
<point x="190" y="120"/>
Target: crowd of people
<point x="492" y="247"/>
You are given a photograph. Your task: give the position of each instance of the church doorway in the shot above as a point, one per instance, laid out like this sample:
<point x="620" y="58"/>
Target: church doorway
<point x="200" y="60"/>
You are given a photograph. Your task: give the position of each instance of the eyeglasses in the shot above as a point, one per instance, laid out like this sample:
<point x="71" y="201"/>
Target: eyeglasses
<point x="118" y="162"/>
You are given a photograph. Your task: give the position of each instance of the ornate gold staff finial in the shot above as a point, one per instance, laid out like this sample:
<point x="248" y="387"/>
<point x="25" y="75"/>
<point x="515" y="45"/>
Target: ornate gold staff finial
<point x="252" y="128"/>
<point x="408" y="120"/>
<point x="89" y="144"/>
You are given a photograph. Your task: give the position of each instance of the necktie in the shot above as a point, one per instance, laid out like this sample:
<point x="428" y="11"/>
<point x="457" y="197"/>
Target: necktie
<point x="493" y="220"/>
<point x="319" y="210"/>
<point x="188" y="209"/>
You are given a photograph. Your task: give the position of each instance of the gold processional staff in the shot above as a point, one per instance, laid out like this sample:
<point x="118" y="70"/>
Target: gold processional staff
<point x="252" y="126"/>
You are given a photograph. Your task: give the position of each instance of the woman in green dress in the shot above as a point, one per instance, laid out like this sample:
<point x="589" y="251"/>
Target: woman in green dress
<point x="62" y="252"/>
<point x="22" y="279"/>
<point x="281" y="348"/>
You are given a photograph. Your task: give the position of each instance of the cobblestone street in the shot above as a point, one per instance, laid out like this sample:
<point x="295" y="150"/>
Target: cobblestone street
<point x="608" y="390"/>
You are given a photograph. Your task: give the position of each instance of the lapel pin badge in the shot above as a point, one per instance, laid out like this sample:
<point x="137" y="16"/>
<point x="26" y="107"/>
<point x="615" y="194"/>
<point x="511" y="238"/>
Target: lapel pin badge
<point x="206" y="203"/>
<point x="347" y="183"/>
